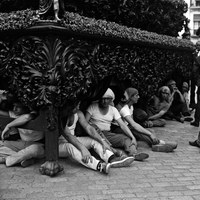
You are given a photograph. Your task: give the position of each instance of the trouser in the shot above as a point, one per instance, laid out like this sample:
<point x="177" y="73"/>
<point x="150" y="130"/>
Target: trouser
<point x="142" y="137"/>
<point x="198" y="139"/>
<point x="119" y="140"/>
<point x="192" y="92"/>
<point x="141" y="116"/>
<point x="197" y="110"/>
<point x="17" y="151"/>
<point x="67" y="149"/>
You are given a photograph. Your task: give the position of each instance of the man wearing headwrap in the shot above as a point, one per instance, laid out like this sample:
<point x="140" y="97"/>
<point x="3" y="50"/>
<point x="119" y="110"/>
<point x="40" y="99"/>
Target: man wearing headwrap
<point x="125" y="108"/>
<point x="102" y="115"/>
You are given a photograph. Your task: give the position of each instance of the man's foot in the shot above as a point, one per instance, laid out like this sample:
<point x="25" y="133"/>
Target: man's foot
<point x="163" y="148"/>
<point x="195" y="124"/>
<point x="179" y="119"/>
<point x="104" y="167"/>
<point x="147" y="124"/>
<point x="26" y="163"/>
<point x="2" y="160"/>
<point x="172" y="144"/>
<point x="122" y="161"/>
<point x="188" y="119"/>
<point x="141" y="156"/>
<point x="195" y="143"/>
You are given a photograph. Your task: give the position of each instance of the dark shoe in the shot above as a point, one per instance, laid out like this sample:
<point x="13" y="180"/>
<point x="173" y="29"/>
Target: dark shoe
<point x="141" y="156"/>
<point x="122" y="161"/>
<point x="179" y="119"/>
<point x="195" y="124"/>
<point x="162" y="148"/>
<point x="186" y="114"/>
<point x="26" y="163"/>
<point x="104" y="167"/>
<point x="195" y="143"/>
<point x="2" y="160"/>
<point x="188" y="119"/>
<point x="172" y="144"/>
<point x="118" y="152"/>
<point x="147" y="124"/>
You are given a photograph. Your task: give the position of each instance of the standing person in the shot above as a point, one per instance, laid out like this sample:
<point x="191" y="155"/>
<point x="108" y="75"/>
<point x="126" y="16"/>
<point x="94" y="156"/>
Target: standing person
<point x="78" y="147"/>
<point x="102" y="115"/>
<point x="125" y="108"/>
<point x="195" y="143"/>
<point x="196" y="79"/>
<point x="29" y="146"/>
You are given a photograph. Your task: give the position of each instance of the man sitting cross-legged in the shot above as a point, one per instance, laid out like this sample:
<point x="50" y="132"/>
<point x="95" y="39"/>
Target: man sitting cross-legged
<point x="29" y="146"/>
<point x="125" y="107"/>
<point x="102" y="114"/>
<point x="78" y="147"/>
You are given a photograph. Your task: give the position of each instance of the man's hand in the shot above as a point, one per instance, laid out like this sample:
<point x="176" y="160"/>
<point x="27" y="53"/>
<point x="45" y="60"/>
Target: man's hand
<point x="3" y="134"/>
<point x="105" y="146"/>
<point x="154" y="139"/>
<point x="86" y="155"/>
<point x="133" y="141"/>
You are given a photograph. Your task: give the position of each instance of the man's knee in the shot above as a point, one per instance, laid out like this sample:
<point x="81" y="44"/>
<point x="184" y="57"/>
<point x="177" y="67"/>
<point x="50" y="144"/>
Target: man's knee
<point x="140" y="115"/>
<point x="36" y="149"/>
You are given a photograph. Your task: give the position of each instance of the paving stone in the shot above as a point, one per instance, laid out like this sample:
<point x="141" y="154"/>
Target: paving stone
<point x="164" y="176"/>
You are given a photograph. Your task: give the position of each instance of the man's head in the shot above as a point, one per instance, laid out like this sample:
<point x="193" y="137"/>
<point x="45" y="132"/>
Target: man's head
<point x="107" y="99"/>
<point x="185" y="87"/>
<point x="71" y="107"/>
<point x="20" y="109"/>
<point x="172" y="85"/>
<point x="132" y="95"/>
<point x="164" y="93"/>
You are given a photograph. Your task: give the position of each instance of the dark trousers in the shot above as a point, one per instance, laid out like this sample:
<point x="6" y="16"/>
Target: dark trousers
<point x="197" y="110"/>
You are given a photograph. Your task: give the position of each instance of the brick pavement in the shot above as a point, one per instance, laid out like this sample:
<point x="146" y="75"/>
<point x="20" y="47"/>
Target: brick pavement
<point x="164" y="176"/>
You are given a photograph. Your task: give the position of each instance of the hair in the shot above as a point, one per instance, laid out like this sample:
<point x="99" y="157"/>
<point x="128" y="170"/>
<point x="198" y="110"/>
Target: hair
<point x="67" y="109"/>
<point x="170" y="82"/>
<point x="162" y="89"/>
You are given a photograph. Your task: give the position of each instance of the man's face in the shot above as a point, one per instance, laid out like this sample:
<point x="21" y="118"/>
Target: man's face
<point x="165" y="94"/>
<point x="172" y="85"/>
<point x="18" y="109"/>
<point x="134" y="98"/>
<point x="105" y="102"/>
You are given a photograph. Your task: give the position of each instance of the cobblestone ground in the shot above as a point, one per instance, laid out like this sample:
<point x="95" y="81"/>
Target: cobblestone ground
<point x="164" y="176"/>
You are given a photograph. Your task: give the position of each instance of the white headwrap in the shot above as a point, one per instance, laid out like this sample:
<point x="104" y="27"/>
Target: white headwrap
<point x="109" y="94"/>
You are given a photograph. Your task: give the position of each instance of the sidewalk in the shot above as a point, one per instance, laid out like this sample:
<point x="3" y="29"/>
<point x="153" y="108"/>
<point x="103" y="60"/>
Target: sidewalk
<point x="164" y="176"/>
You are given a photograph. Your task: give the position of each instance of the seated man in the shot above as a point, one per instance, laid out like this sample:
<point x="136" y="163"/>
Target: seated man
<point x="176" y="110"/>
<point x="102" y="114"/>
<point x="30" y="145"/>
<point x="78" y="147"/>
<point x="156" y="109"/>
<point x="125" y="108"/>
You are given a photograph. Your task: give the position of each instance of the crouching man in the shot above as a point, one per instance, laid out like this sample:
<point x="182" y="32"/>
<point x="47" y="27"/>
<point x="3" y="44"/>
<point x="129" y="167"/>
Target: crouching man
<point x="29" y="146"/>
<point x="77" y="148"/>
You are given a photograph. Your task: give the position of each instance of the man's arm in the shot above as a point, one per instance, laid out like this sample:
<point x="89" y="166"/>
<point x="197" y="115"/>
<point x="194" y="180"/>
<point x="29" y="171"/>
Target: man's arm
<point x="87" y="116"/>
<point x="137" y="126"/>
<point x="158" y="115"/>
<point x="126" y="130"/>
<point x="21" y="120"/>
<point x="4" y="113"/>
<point x="73" y="140"/>
<point x="91" y="130"/>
